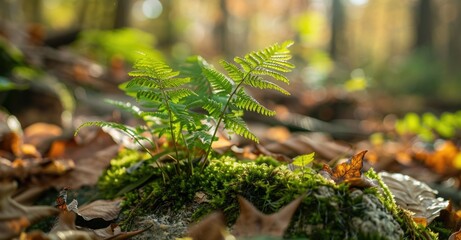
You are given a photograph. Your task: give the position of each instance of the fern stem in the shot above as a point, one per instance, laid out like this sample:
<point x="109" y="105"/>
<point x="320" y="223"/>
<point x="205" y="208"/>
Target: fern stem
<point x="148" y="152"/>
<point x="173" y="137"/>
<point x="189" y="160"/>
<point x="221" y="116"/>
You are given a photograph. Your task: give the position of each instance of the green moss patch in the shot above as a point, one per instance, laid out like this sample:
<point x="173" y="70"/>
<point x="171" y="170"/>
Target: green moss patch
<point x="329" y="211"/>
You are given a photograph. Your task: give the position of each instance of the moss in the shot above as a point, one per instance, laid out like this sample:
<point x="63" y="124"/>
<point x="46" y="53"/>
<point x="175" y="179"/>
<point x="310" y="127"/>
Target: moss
<point x="329" y="211"/>
<point x="129" y="168"/>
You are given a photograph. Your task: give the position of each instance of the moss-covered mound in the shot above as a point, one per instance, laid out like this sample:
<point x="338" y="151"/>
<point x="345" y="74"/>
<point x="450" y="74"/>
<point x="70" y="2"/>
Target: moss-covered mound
<point x="329" y="211"/>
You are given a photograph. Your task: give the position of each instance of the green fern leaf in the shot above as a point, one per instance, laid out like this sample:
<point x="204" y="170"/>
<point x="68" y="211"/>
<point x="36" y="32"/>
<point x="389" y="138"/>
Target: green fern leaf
<point x="271" y="73"/>
<point x="212" y="106"/>
<point x="247" y="66"/>
<point x="152" y="97"/>
<point x="130" y="131"/>
<point x="258" y="82"/>
<point x="175" y="95"/>
<point x="238" y="126"/>
<point x="248" y="103"/>
<point x="233" y="71"/>
<point x="219" y="82"/>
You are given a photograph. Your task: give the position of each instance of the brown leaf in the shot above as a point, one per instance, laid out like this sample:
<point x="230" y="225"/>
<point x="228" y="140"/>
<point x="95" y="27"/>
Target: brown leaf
<point x="10" y="143"/>
<point x="14" y="217"/>
<point x="38" y="133"/>
<point x="66" y="221"/>
<point x="414" y="196"/>
<point x="346" y="171"/>
<point x="251" y="222"/>
<point x="90" y="160"/>
<point x="127" y="235"/>
<point x="209" y="228"/>
<point x="104" y="209"/>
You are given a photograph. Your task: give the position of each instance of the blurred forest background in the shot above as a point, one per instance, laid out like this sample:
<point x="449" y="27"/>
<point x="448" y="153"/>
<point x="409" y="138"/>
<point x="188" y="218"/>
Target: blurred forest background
<point x="400" y="55"/>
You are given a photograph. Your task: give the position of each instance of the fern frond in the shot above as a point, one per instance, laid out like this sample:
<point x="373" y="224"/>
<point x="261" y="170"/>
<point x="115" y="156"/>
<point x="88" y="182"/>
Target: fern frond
<point x="152" y="73"/>
<point x="248" y="103"/>
<point x="258" y="82"/>
<point x="212" y="106"/>
<point x="219" y="82"/>
<point x="118" y="126"/>
<point x="141" y="83"/>
<point x="270" y="61"/>
<point x="247" y="66"/>
<point x="155" y="116"/>
<point x="238" y="126"/>
<point x="177" y="94"/>
<point x="234" y="72"/>
<point x="278" y="67"/>
<point x="269" y="72"/>
<point x="153" y="97"/>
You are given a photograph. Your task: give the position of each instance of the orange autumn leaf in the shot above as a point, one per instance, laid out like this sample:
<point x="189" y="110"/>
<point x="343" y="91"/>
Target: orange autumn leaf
<point x="442" y="159"/>
<point x="347" y="170"/>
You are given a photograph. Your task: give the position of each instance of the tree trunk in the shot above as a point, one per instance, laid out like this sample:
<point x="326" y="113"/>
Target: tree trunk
<point x="337" y="28"/>
<point x="423" y="22"/>
<point x="122" y="14"/>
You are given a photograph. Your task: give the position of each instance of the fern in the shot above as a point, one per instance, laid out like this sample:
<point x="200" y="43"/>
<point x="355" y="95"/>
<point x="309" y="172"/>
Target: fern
<point x="188" y="106"/>
<point x="270" y="62"/>
<point x="247" y="102"/>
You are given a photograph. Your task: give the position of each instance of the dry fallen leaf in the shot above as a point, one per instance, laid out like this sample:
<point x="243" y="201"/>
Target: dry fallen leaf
<point x="212" y="227"/>
<point x="414" y="196"/>
<point x="349" y="172"/>
<point x="251" y="222"/>
<point x="14" y="217"/>
<point x="90" y="160"/>
<point x="442" y="159"/>
<point x="98" y="214"/>
<point x="93" y="221"/>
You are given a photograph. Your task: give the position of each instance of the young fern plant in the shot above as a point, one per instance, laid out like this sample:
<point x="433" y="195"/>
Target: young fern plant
<point x="229" y="98"/>
<point x="170" y="101"/>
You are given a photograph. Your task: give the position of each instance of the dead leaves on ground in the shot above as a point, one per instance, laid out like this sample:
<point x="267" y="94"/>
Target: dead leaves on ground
<point x="95" y="221"/>
<point x="250" y="223"/>
<point x="14" y="217"/>
<point x="42" y="156"/>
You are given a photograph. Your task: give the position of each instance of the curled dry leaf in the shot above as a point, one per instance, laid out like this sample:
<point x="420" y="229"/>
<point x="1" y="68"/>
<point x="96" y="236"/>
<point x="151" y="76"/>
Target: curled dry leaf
<point x="98" y="214"/>
<point x="414" y="195"/>
<point x="349" y="172"/>
<point x="14" y="217"/>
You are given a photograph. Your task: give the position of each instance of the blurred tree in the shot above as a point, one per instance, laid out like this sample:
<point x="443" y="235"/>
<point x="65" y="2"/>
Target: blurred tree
<point x="122" y="14"/>
<point x="423" y="24"/>
<point x="338" y="19"/>
<point x="454" y="42"/>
